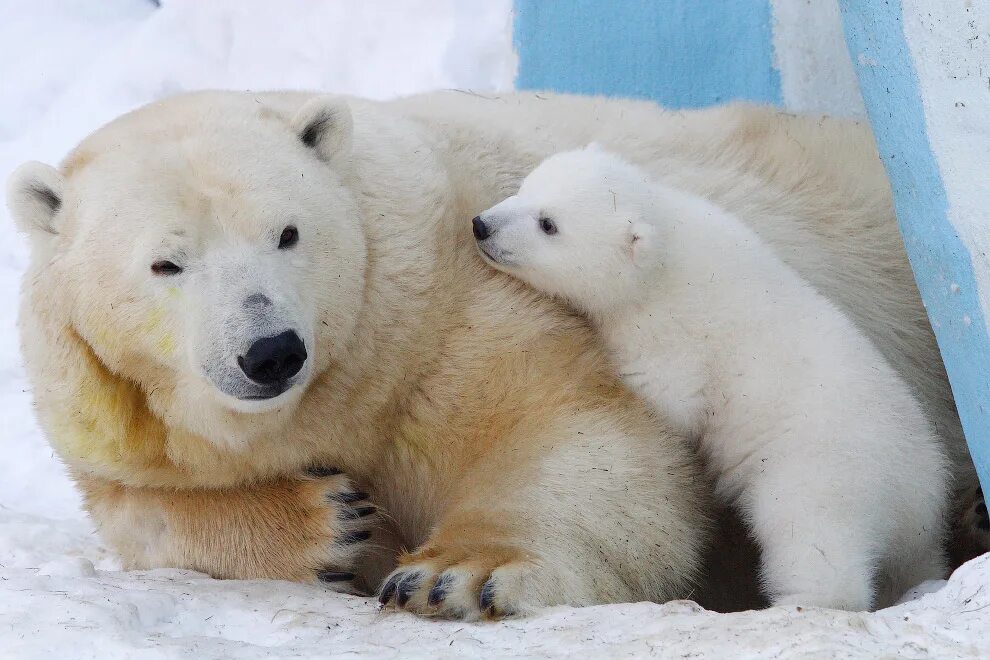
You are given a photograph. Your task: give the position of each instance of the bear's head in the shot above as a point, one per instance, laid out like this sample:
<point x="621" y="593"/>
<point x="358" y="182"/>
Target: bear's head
<point x="579" y="228"/>
<point x="201" y="258"/>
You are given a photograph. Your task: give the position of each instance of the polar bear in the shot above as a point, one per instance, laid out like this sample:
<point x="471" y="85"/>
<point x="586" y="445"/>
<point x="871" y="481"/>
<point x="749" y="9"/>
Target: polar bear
<point x="234" y="297"/>
<point x="479" y="417"/>
<point x="804" y="424"/>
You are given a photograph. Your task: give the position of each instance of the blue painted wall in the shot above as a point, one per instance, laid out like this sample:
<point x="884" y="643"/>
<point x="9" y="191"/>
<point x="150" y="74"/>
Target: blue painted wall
<point x="683" y="53"/>
<point x="942" y="264"/>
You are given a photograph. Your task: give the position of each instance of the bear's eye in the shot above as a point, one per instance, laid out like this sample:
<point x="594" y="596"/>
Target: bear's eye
<point x="165" y="268"/>
<point x="547" y="225"/>
<point x="289" y="237"/>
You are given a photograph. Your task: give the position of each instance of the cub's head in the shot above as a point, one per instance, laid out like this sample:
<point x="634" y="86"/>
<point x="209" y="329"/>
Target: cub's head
<point x="578" y="228"/>
<point x="205" y="249"/>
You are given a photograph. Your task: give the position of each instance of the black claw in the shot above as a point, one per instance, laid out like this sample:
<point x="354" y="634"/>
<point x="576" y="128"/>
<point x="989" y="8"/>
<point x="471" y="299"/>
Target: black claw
<point x="348" y="498"/>
<point x="487" y="595"/>
<point x="334" y="576"/>
<point x="359" y="512"/>
<point x="355" y="537"/>
<point x="439" y="591"/>
<point x="320" y="471"/>
<point x="406" y="588"/>
<point x="983" y="521"/>
<point x="388" y="589"/>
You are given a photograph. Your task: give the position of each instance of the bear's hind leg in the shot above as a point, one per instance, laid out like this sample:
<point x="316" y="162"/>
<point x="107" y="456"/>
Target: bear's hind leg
<point x="593" y="511"/>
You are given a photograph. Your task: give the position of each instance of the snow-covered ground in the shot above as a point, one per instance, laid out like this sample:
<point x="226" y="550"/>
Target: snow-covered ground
<point x="66" y="66"/>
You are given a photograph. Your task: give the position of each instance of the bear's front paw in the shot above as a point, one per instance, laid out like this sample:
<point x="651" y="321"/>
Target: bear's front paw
<point x="340" y="520"/>
<point x="456" y="585"/>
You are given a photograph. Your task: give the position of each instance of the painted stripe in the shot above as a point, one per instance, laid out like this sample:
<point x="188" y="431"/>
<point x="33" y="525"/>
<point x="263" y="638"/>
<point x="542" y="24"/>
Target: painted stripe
<point x="942" y="264"/>
<point x="682" y="53"/>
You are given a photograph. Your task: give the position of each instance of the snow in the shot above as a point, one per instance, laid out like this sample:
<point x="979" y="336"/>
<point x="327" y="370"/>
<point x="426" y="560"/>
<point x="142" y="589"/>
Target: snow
<point x="66" y="66"/>
<point x="67" y="606"/>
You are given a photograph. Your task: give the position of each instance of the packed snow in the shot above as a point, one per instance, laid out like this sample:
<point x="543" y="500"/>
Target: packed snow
<point x="67" y="66"/>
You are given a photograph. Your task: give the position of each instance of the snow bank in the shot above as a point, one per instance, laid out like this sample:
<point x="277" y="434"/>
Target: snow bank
<point x="67" y="606"/>
<point x="67" y="66"/>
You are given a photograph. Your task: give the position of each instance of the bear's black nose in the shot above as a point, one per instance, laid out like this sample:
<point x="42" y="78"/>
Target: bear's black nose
<point x="481" y="231"/>
<point x="274" y="359"/>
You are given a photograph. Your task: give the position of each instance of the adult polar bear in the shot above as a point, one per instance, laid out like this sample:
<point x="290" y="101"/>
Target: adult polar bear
<point x="481" y="418"/>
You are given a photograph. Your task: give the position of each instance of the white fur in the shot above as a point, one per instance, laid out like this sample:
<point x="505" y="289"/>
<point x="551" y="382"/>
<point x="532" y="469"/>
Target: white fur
<point x="805" y="425"/>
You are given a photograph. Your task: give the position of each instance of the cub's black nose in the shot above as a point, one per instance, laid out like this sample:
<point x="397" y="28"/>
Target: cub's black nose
<point x="481" y="231"/>
<point x="274" y="359"/>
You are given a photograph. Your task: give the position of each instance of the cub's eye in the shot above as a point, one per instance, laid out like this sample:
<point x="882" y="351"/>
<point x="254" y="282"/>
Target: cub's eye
<point x="289" y="237"/>
<point x="546" y="224"/>
<point x="165" y="268"/>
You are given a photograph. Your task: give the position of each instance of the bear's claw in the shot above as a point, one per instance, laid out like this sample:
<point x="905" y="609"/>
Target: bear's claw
<point x="388" y="589"/>
<point x="359" y="512"/>
<point x="348" y="498"/>
<point x="982" y="517"/>
<point x="328" y="575"/>
<point x="322" y="471"/>
<point x="439" y="590"/>
<point x="355" y="537"/>
<point x="407" y="585"/>
<point x="487" y="596"/>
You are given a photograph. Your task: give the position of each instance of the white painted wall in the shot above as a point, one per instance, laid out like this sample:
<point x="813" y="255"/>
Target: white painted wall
<point x="816" y="73"/>
<point x="949" y="42"/>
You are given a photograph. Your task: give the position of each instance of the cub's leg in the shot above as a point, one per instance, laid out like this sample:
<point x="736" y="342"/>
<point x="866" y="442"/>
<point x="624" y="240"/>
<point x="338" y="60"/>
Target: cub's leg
<point x="818" y="542"/>
<point x="592" y="508"/>
<point x="832" y="505"/>
<point x="308" y="528"/>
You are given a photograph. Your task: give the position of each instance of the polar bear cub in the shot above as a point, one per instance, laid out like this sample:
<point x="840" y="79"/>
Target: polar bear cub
<point x="804" y="425"/>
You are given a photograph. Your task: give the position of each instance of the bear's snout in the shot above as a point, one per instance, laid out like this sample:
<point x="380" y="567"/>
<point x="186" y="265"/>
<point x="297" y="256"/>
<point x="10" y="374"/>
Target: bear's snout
<point x="273" y="360"/>
<point x="481" y="230"/>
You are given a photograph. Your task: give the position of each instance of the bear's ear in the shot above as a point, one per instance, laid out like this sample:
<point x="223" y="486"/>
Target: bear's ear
<point x="325" y="125"/>
<point x="640" y="240"/>
<point x="594" y="147"/>
<point x="34" y="197"/>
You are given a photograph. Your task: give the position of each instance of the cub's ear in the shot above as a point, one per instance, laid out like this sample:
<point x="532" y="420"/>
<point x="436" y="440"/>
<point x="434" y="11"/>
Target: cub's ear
<point x="34" y="197"/>
<point x="640" y="240"/>
<point x="325" y="125"/>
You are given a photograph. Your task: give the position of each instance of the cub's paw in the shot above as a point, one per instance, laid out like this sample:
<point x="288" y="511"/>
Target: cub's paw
<point x="971" y="529"/>
<point x="979" y="516"/>
<point x="466" y="586"/>
<point x="338" y="523"/>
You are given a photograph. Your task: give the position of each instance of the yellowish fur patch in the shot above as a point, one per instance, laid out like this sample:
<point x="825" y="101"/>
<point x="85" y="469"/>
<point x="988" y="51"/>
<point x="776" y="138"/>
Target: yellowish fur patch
<point x="110" y="426"/>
